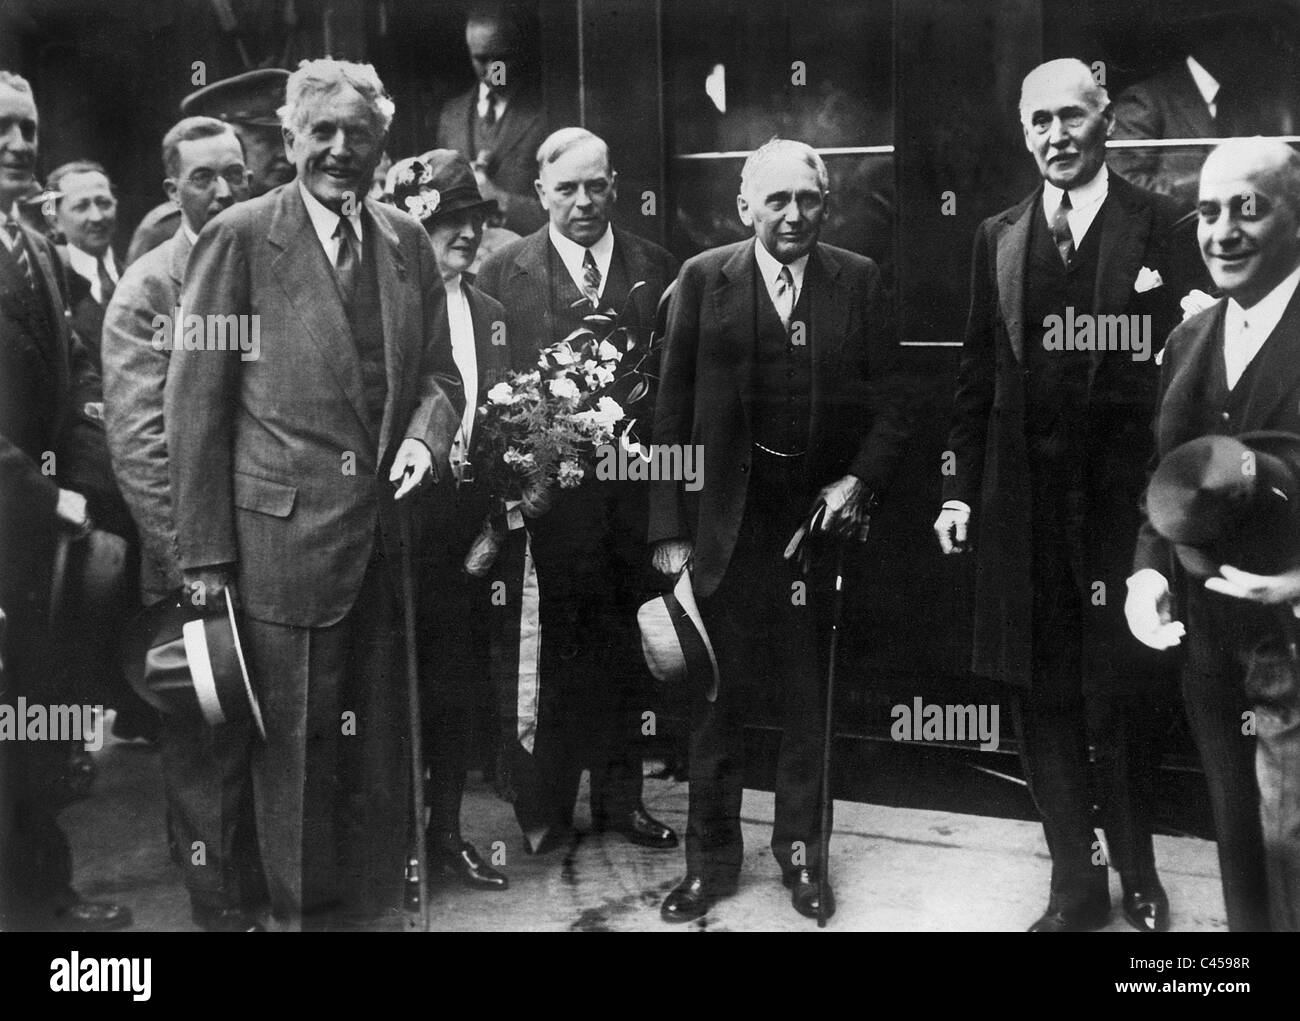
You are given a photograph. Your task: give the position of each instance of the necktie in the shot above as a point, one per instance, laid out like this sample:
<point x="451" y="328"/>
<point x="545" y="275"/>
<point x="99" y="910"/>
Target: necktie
<point x="490" y="115"/>
<point x="106" y="284"/>
<point x="1061" y="229"/>
<point x="14" y="240"/>
<point x="591" y="279"/>
<point x="785" y="296"/>
<point x="347" y="263"/>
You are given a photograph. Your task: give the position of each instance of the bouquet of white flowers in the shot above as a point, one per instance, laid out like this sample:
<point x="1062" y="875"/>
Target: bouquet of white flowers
<point x="542" y="428"/>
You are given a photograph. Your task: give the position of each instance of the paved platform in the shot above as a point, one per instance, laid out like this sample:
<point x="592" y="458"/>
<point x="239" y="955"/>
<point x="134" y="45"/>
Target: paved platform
<point x="894" y="870"/>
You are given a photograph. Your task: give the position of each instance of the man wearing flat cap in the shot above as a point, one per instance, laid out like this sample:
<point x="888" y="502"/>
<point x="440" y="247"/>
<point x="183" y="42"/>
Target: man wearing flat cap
<point x="439" y="189"/>
<point x="1233" y="369"/>
<point x="248" y="103"/>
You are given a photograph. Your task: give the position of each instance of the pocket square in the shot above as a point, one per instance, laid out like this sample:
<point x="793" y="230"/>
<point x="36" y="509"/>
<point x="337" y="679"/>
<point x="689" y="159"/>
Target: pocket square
<point x="1148" y="279"/>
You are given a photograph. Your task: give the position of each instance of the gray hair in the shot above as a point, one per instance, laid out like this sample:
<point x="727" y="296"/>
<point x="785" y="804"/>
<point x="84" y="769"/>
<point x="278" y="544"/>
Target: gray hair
<point x="1066" y="71"/>
<point x="557" y="143"/>
<point x="1272" y="158"/>
<point x="324" y="76"/>
<point x="776" y="147"/>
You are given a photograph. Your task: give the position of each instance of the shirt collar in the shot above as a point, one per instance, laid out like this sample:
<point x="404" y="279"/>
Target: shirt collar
<point x="769" y="266"/>
<point x="1206" y="84"/>
<point x="325" y="221"/>
<point x="190" y="235"/>
<point x="452" y="286"/>
<point x="86" y="265"/>
<point x="1265" y="314"/>
<point x="1081" y="197"/>
<point x="572" y="253"/>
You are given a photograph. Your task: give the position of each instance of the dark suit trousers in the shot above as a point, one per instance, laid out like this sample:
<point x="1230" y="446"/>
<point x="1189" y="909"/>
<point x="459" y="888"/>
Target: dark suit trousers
<point x="588" y="703"/>
<point x="453" y="642"/>
<point x="331" y="781"/>
<point x="209" y="791"/>
<point x="766" y="643"/>
<point x="1217" y="705"/>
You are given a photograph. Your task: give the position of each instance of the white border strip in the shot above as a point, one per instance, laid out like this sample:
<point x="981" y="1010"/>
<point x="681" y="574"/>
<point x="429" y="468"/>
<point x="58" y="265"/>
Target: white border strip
<point x="205" y="686"/>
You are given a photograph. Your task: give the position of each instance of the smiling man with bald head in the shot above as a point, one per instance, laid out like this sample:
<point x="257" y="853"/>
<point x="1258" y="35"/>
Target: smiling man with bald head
<point x="1234" y="368"/>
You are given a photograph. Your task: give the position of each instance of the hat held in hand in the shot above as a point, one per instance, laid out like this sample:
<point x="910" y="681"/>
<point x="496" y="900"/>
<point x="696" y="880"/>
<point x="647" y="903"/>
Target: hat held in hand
<point x="185" y="659"/>
<point x="673" y="639"/>
<point x="1230" y="500"/>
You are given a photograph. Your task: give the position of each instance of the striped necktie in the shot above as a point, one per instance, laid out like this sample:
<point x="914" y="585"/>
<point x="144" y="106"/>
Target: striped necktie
<point x="18" y="249"/>
<point x="591" y="279"/>
<point x="1060" y="227"/>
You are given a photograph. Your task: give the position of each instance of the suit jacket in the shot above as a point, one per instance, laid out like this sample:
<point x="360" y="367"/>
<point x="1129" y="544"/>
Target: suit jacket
<point x="513" y="163"/>
<point x="47" y="380"/>
<point x="706" y="390"/>
<point x="135" y="371"/>
<point x="159" y="224"/>
<point x="454" y="514"/>
<point x="1273" y="404"/>
<point x="519" y="277"/>
<point x="87" y="316"/>
<point x="988" y="431"/>
<point x="275" y="464"/>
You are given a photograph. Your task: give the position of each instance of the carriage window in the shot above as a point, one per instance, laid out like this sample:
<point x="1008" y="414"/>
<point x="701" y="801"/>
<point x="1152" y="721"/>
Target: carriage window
<point x="736" y="74"/>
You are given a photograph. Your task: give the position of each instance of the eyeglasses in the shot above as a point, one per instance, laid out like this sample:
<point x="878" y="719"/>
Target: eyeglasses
<point x="235" y="176"/>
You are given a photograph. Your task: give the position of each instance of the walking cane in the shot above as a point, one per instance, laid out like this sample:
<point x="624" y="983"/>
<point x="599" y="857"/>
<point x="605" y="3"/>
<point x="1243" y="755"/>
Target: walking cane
<point x="824" y="858"/>
<point x="413" y="711"/>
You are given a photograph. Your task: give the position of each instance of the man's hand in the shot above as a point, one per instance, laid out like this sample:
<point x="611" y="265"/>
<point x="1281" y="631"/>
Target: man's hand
<point x="1269" y="589"/>
<point x="71" y="509"/>
<point x="846" y="508"/>
<point x="1147" y="610"/>
<point x="204" y="586"/>
<point x="671" y="556"/>
<point x="411" y="467"/>
<point x="950" y="526"/>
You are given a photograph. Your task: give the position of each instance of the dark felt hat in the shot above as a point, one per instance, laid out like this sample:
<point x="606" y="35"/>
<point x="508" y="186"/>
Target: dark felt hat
<point x="1230" y="500"/>
<point x="435" y="183"/>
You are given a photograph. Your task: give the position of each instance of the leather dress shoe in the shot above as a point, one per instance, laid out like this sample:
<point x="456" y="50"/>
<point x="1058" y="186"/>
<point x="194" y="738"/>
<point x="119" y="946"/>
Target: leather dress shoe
<point x="1090" y="916"/>
<point x="691" y="899"/>
<point x="94" y="916"/>
<point x="640" y="827"/>
<point x="802" y="885"/>
<point x="466" y="865"/>
<point x="1146" y="906"/>
<point x="226" y="920"/>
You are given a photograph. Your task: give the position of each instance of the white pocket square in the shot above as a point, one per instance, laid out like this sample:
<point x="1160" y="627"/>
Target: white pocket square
<point x="1148" y="279"/>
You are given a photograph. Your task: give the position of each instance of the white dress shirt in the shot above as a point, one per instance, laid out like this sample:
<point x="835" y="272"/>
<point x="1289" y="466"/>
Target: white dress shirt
<point x="86" y="266"/>
<point x="769" y="268"/>
<point x="1206" y="84"/>
<point x="464" y="354"/>
<point x="1085" y="203"/>
<point x="1246" y="329"/>
<point x="498" y="101"/>
<point x="325" y="222"/>
<point x="572" y="254"/>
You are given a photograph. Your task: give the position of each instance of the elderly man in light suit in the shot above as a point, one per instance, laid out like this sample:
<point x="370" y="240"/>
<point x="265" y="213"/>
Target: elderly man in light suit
<point x="283" y="463"/>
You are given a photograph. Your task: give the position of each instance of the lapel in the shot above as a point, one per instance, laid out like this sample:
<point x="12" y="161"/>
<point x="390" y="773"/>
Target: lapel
<point x="1186" y="98"/>
<point x="1184" y="387"/>
<point x="1012" y="262"/>
<point x="1125" y="229"/>
<point x="394" y="304"/>
<point x="516" y="123"/>
<point x="53" y="301"/>
<point x="1278" y="376"/>
<point x="492" y="359"/>
<point x="180" y="256"/>
<point x="828" y="308"/>
<point x="735" y="300"/>
<point x="300" y="268"/>
<point x="530" y="269"/>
